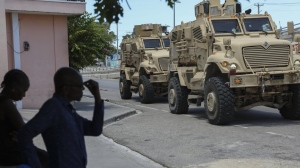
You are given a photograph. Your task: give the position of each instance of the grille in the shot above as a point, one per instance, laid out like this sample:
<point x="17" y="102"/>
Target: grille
<point x="182" y="35"/>
<point x="197" y="33"/>
<point x="259" y="57"/>
<point x="163" y="62"/>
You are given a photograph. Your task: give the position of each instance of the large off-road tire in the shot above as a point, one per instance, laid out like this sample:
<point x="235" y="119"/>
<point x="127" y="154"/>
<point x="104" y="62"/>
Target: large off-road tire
<point x="218" y="101"/>
<point x="124" y="86"/>
<point x="146" y="90"/>
<point x="177" y="97"/>
<point x="291" y="111"/>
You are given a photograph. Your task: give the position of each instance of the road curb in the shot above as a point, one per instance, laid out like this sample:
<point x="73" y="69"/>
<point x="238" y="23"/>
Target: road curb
<point x="117" y="117"/>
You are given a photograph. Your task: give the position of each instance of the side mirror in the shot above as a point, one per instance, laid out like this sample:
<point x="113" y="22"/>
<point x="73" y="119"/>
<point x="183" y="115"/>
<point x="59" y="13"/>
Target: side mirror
<point x="290" y="26"/>
<point x="297" y="38"/>
<point x="277" y="33"/>
<point x="128" y="47"/>
<point x="188" y="34"/>
<point x="227" y="41"/>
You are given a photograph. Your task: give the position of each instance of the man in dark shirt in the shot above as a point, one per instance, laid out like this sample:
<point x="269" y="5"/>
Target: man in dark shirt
<point x="61" y="127"/>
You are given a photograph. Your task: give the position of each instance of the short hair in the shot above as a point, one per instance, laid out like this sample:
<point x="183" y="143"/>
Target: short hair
<point x="65" y="76"/>
<point x="14" y="76"/>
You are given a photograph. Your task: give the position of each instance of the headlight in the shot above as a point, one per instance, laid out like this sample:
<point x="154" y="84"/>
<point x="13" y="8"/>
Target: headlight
<point x="150" y="60"/>
<point x="224" y="63"/>
<point x="229" y="53"/>
<point x="232" y="70"/>
<point x="233" y="66"/>
<point x="297" y="63"/>
<point x="153" y="69"/>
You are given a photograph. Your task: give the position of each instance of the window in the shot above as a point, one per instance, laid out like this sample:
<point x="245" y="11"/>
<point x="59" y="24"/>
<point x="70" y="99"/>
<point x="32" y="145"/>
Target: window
<point x="226" y="26"/>
<point x="166" y="42"/>
<point x="257" y="24"/>
<point x="152" y="43"/>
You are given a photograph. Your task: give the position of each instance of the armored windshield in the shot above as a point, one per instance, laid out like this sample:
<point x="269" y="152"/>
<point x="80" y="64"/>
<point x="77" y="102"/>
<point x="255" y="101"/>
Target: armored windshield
<point x="226" y="26"/>
<point x="257" y="24"/>
<point x="152" y="43"/>
<point x="166" y="42"/>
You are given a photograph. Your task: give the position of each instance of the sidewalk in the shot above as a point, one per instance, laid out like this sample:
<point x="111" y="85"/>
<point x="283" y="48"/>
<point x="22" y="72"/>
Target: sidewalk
<point x="102" y="151"/>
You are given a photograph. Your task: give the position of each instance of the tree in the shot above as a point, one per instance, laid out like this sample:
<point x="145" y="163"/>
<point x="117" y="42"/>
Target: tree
<point x="126" y="36"/>
<point x="109" y="10"/>
<point x="88" y="40"/>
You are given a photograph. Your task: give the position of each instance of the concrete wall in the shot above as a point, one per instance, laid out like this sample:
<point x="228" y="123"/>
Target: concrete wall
<point x="43" y="24"/>
<point x="47" y="36"/>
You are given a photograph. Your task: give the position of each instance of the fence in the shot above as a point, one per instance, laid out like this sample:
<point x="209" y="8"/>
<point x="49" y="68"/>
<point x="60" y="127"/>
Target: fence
<point x="100" y="72"/>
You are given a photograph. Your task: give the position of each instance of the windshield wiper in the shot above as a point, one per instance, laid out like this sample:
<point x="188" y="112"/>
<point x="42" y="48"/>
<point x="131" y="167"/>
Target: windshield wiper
<point x="265" y="32"/>
<point x="223" y="31"/>
<point x="233" y="33"/>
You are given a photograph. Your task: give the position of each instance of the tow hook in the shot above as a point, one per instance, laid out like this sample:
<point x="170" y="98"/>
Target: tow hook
<point x="263" y="86"/>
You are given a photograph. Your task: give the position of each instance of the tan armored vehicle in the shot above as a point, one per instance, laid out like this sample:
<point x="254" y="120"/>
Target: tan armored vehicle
<point x="232" y="61"/>
<point x="144" y="66"/>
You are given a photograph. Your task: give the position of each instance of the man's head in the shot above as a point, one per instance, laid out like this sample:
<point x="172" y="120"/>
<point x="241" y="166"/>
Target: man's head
<point x="15" y="84"/>
<point x="68" y="83"/>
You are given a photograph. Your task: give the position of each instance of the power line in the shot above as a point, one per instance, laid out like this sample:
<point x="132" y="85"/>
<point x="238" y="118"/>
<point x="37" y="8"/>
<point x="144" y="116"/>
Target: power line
<point x="292" y="3"/>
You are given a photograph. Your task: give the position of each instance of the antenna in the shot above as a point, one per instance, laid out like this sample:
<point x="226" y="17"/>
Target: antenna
<point x="280" y="26"/>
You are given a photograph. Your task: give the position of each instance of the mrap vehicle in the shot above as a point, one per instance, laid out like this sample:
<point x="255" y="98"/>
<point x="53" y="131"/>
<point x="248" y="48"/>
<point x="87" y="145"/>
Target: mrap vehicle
<point x="144" y="66"/>
<point x="232" y="61"/>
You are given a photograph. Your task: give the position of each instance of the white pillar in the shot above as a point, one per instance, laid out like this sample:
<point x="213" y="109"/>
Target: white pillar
<point x="3" y="41"/>
<point x="16" y="46"/>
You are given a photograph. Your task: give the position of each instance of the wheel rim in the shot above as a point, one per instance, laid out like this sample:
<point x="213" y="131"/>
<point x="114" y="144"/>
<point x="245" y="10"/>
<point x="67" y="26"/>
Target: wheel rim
<point x="141" y="89"/>
<point x="172" y="96"/>
<point x="211" y="101"/>
<point x="121" y="87"/>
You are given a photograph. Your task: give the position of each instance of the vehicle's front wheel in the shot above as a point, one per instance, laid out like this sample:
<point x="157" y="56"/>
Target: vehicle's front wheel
<point x="177" y="97"/>
<point x="291" y="111"/>
<point x="218" y="101"/>
<point x="146" y="90"/>
<point x="124" y="86"/>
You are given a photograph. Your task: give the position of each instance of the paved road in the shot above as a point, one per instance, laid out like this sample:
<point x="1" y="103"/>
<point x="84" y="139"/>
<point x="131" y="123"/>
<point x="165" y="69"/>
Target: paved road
<point x="256" y="138"/>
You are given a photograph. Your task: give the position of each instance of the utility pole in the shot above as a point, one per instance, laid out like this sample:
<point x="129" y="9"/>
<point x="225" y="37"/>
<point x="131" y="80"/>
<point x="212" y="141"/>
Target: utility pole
<point x="258" y="6"/>
<point x="118" y="39"/>
<point x="174" y="12"/>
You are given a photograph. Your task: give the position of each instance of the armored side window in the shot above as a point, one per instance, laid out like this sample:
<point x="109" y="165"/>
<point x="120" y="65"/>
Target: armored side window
<point x="166" y="42"/>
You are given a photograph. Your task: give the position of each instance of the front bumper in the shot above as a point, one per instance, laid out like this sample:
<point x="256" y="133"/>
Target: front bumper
<point x="265" y="78"/>
<point x="160" y="78"/>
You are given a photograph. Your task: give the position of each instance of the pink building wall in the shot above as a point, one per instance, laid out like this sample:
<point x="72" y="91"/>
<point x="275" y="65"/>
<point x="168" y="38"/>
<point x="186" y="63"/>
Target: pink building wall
<point x="43" y="24"/>
<point x="3" y="42"/>
<point x="47" y="36"/>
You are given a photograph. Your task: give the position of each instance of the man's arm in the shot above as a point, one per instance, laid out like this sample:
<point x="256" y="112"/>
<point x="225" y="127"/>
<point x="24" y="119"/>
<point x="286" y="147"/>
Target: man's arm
<point x="94" y="127"/>
<point x="38" y="124"/>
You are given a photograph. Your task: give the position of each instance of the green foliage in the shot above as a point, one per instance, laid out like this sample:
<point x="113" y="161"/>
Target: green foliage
<point x="127" y="36"/>
<point x="88" y="40"/>
<point x="110" y="10"/>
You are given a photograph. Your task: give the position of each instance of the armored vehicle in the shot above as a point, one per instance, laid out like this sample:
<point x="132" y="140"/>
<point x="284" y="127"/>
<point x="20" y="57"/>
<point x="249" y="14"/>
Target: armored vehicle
<point x="232" y="61"/>
<point x="144" y="66"/>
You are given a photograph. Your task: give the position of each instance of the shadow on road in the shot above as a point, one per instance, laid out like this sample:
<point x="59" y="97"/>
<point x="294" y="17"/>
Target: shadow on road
<point x="157" y="99"/>
<point x="260" y="116"/>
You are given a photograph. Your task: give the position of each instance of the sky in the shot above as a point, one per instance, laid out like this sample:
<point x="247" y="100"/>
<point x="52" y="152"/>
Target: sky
<point x="158" y="12"/>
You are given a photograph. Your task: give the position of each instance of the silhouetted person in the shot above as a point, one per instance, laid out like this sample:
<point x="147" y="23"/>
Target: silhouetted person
<point x="14" y="86"/>
<point x="62" y="129"/>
